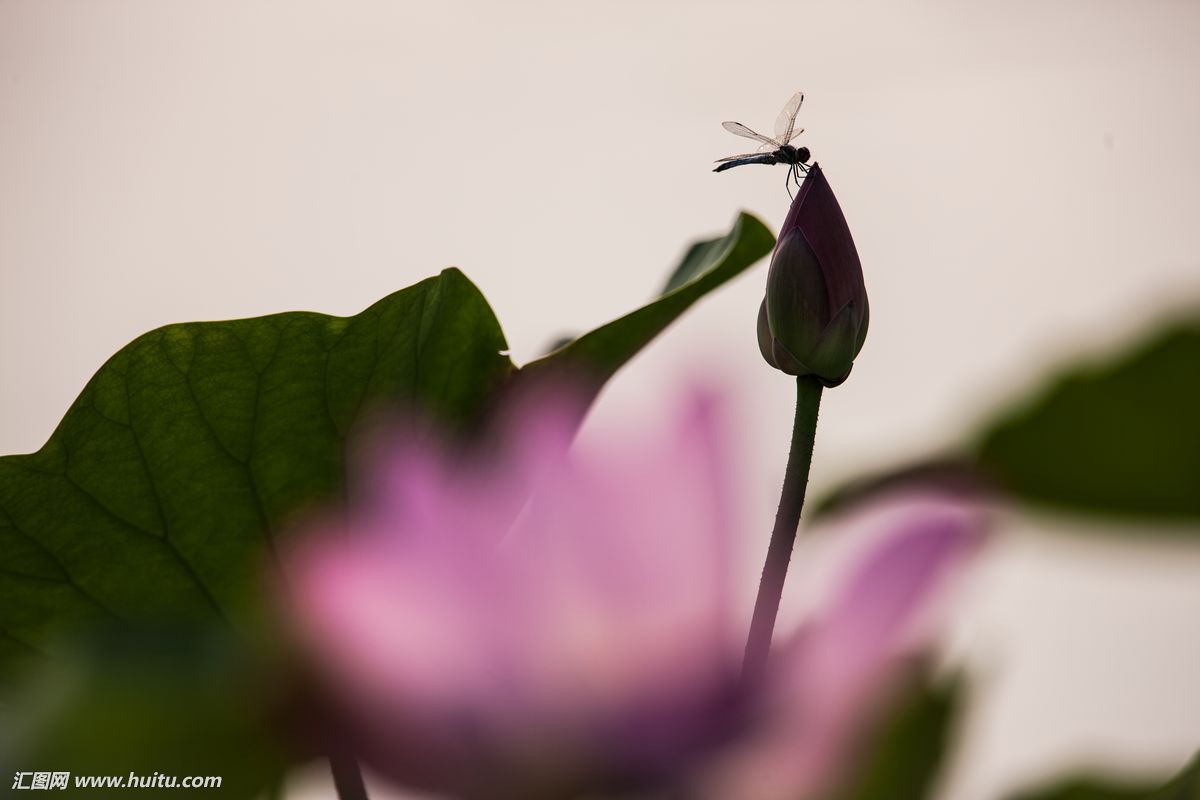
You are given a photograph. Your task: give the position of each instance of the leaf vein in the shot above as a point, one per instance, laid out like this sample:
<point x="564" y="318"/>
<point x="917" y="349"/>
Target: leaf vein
<point x="162" y="513"/>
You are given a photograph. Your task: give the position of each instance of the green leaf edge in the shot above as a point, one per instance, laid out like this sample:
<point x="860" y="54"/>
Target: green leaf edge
<point x="601" y="352"/>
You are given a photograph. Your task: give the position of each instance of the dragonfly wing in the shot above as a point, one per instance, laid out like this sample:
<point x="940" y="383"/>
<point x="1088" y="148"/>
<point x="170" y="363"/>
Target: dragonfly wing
<point x="795" y="133"/>
<point x="742" y="130"/>
<point x="786" y="122"/>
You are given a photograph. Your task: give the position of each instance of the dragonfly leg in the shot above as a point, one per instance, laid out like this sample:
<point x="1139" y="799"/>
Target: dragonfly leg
<point x="801" y="169"/>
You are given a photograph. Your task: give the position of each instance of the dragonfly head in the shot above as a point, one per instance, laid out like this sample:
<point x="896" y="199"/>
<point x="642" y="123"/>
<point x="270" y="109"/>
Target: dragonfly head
<point x="802" y="155"/>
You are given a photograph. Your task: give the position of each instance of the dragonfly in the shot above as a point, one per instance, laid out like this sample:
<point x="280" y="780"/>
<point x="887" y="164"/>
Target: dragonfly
<point x="777" y="150"/>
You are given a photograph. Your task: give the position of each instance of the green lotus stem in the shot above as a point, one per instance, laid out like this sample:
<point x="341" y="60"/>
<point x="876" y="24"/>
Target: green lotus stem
<point x="787" y="519"/>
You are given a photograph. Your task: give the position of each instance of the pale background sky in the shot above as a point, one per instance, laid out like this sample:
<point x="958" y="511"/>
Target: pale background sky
<point x="1021" y="179"/>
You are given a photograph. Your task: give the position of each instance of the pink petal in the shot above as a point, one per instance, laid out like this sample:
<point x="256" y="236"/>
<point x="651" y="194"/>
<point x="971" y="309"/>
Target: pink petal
<point x="831" y="681"/>
<point x="563" y="609"/>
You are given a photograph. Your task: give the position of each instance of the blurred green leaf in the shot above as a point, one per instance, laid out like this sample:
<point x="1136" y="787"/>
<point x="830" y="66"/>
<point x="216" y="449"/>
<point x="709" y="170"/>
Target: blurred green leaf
<point x="1116" y="437"/>
<point x="910" y="750"/>
<point x="706" y="266"/>
<point x="956" y="474"/>
<point x="1184" y="786"/>
<point x="178" y="702"/>
<point x="163" y="489"/>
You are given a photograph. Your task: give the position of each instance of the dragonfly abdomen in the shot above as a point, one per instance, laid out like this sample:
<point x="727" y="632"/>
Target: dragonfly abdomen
<point x="765" y="158"/>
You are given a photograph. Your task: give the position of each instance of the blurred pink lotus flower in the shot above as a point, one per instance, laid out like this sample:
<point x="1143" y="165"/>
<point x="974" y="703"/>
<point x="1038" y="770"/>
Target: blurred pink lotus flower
<point x="544" y="623"/>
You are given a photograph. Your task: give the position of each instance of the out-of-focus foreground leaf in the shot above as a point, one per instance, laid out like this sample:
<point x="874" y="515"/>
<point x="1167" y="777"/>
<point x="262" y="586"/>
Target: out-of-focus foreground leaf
<point x="1117" y="437"/>
<point x="177" y="702"/>
<point x="1121" y="437"/>
<point x="911" y="748"/>
<point x="705" y="267"/>
<point x="162" y="491"/>
<point x="1184" y="786"/>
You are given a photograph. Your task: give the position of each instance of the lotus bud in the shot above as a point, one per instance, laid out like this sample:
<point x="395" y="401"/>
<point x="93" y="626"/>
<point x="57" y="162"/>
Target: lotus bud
<point x="813" y="320"/>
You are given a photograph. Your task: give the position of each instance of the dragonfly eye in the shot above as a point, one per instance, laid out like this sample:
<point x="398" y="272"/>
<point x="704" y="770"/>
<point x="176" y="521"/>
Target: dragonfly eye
<point x="802" y="154"/>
